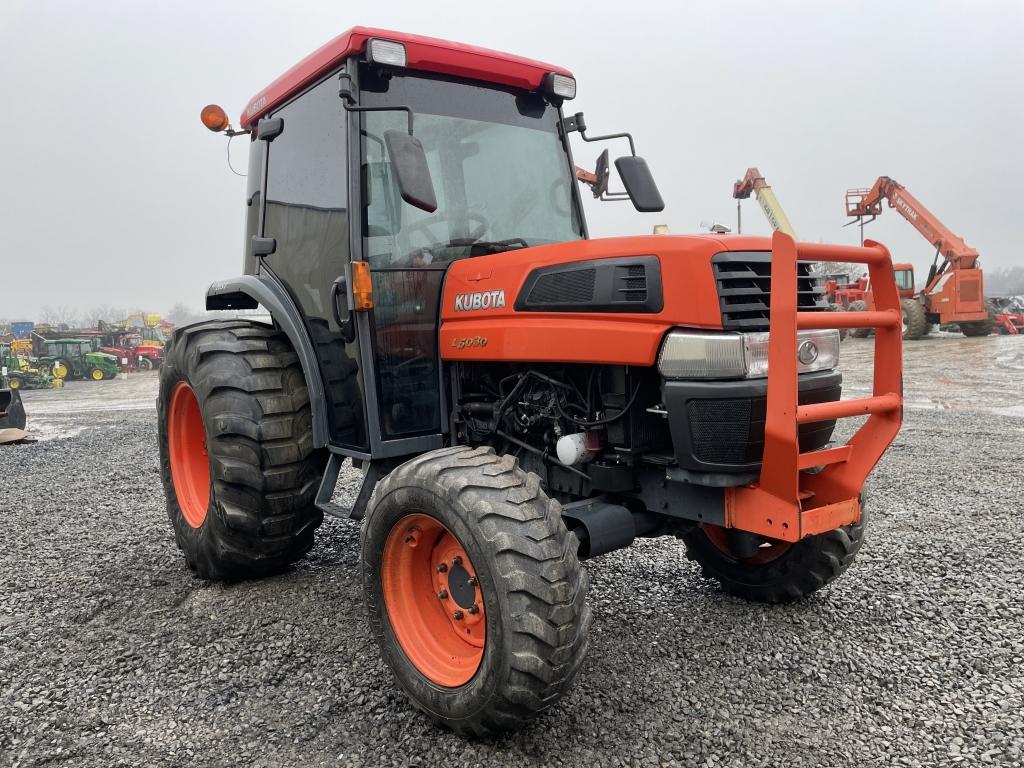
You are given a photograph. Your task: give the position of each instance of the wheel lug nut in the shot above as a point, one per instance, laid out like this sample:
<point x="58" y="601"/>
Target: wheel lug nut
<point x="473" y="609"/>
<point x="442" y="568"/>
<point x="472" y="581"/>
<point x="442" y="595"/>
<point x="457" y="615"/>
<point x="456" y="560"/>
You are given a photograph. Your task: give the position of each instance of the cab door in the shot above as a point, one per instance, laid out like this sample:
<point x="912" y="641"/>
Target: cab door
<point x="307" y="213"/>
<point x="406" y="401"/>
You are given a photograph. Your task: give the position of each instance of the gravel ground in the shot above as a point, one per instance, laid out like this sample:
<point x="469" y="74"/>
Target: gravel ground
<point x="112" y="654"/>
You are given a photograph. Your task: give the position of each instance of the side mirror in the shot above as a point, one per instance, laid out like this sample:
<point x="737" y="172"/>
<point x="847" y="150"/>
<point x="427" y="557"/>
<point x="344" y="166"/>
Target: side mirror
<point x="636" y="178"/>
<point x="409" y="163"/>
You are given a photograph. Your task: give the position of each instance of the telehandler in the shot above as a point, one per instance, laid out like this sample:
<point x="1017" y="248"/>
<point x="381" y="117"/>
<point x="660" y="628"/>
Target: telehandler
<point x="519" y="397"/>
<point x="953" y="291"/>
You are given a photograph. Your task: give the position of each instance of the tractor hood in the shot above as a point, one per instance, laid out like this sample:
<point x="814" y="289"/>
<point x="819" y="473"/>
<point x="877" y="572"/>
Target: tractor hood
<point x="599" y="301"/>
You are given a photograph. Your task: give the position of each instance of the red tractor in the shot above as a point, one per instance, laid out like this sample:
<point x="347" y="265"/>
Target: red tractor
<point x="130" y="346"/>
<point x="518" y="397"/>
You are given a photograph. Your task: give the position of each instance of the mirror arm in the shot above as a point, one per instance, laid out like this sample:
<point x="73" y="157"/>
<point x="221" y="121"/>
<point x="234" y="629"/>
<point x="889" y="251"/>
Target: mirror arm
<point x="348" y="101"/>
<point x="629" y="137"/>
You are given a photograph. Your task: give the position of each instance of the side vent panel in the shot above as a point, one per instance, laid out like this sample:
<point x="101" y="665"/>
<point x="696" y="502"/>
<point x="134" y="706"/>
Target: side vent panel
<point x="628" y="284"/>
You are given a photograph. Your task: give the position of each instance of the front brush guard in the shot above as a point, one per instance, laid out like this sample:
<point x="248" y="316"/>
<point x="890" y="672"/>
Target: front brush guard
<point x="787" y="502"/>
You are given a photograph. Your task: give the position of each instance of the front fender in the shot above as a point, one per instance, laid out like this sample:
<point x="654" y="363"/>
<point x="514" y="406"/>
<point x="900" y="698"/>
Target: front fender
<point x="250" y="291"/>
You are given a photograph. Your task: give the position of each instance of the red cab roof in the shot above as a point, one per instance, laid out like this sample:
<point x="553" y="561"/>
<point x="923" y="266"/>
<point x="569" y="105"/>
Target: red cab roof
<point x="427" y="54"/>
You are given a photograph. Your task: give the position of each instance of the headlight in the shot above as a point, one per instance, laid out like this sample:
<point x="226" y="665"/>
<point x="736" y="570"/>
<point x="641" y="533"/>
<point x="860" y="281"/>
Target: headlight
<point x="702" y="355"/>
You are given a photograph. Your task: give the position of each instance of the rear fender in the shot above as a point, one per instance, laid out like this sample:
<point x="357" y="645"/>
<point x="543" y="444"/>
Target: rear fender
<point x="250" y="291"/>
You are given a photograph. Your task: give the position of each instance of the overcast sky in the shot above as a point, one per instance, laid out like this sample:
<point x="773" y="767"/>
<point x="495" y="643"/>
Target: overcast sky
<point x="113" y="192"/>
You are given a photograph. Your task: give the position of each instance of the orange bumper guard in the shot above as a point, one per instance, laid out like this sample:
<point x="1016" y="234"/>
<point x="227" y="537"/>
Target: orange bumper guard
<point x="787" y="502"/>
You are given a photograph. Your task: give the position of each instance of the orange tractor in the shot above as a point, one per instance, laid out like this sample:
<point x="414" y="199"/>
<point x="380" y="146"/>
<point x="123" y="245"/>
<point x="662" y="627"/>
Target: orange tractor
<point x="518" y="397"/>
<point x="953" y="291"/>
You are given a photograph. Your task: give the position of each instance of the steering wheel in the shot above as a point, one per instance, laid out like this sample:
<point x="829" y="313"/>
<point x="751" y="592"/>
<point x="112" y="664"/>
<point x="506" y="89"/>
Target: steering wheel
<point x="424" y="225"/>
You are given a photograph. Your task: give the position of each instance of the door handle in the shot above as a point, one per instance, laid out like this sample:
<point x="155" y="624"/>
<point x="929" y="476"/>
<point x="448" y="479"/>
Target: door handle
<point x="347" y="325"/>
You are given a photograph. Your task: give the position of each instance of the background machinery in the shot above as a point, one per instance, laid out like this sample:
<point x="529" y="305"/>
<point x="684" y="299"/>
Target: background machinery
<point x="518" y="396"/>
<point x="78" y="359"/>
<point x="753" y="182"/>
<point x="954" y="290"/>
<point x="839" y="290"/>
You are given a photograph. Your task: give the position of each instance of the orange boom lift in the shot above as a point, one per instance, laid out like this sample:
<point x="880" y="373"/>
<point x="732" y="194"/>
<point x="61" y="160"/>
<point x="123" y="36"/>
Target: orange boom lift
<point x="954" y="290"/>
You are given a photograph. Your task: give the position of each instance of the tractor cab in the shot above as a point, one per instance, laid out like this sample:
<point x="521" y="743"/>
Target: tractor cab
<point x="904" y="280"/>
<point x="384" y="168"/>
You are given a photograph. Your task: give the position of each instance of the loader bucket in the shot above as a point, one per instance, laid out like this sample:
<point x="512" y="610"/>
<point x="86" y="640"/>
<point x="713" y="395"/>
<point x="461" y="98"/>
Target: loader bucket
<point x="12" y="412"/>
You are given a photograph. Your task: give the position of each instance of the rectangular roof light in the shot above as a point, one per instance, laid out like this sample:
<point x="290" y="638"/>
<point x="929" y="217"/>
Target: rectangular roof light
<point x="385" y="52"/>
<point x="562" y="86"/>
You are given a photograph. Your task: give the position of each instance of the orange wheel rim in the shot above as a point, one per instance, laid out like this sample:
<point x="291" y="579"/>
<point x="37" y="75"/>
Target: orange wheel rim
<point x="433" y="600"/>
<point x="770" y="549"/>
<point x="186" y="444"/>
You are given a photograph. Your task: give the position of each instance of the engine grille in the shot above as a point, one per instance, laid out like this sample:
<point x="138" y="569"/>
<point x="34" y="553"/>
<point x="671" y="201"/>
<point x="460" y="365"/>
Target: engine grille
<point x="631" y="282"/>
<point x="744" y="282"/>
<point x="575" y="287"/>
<point x="731" y="431"/>
<point x="623" y="284"/>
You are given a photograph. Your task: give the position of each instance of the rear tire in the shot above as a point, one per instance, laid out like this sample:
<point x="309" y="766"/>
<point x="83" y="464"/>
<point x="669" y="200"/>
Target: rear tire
<point x="254" y="514"/>
<point x="145" y="364"/>
<point x="859" y="306"/>
<point x="797" y="571"/>
<point x="915" y="323"/>
<point x="531" y="588"/>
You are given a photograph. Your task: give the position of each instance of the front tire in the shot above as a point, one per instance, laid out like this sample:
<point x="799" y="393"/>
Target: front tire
<point x="494" y="668"/>
<point x="859" y="306"/>
<point x="915" y="322"/>
<point x="236" y="451"/>
<point x="776" y="572"/>
<point x="145" y="364"/>
<point x="843" y="332"/>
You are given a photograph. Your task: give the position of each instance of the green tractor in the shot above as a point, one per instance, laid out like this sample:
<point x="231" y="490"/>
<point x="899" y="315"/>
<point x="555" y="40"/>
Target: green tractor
<point x="22" y="372"/>
<point x="76" y="359"/>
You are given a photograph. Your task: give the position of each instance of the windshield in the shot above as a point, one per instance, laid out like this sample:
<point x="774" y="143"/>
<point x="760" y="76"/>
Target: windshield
<point x="500" y="172"/>
<point x="905" y="278"/>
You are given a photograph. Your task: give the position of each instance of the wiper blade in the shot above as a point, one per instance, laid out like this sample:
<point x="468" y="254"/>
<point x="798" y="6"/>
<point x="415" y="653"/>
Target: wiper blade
<point x="494" y="246"/>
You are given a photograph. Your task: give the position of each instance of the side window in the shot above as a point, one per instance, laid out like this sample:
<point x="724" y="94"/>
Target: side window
<point x="307" y="213"/>
<point x="306" y="197"/>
